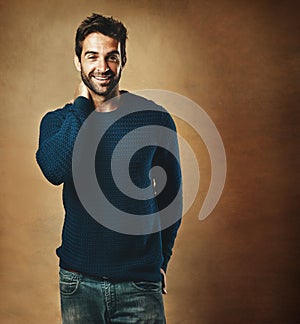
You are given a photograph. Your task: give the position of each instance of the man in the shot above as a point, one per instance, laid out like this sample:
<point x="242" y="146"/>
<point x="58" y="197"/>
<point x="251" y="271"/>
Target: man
<point x="107" y="275"/>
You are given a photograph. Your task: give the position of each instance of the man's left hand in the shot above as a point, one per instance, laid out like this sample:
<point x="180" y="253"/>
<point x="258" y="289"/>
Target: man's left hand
<point x="164" y="281"/>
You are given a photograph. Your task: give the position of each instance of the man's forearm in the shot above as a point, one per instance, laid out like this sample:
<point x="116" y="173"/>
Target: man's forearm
<point x="57" y="137"/>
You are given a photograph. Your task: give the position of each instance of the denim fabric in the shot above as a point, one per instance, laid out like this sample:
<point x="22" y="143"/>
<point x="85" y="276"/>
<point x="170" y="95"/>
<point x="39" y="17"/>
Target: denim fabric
<point x="88" y="300"/>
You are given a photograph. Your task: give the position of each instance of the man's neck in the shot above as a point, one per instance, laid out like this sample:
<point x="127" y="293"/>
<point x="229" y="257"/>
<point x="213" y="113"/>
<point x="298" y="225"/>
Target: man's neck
<point x="103" y="103"/>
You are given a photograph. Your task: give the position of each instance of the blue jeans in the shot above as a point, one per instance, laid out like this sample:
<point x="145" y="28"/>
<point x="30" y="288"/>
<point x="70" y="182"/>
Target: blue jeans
<point x="88" y="300"/>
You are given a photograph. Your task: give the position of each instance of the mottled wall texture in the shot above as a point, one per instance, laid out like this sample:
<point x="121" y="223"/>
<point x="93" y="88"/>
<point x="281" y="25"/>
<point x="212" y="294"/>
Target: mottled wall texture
<point x="237" y="59"/>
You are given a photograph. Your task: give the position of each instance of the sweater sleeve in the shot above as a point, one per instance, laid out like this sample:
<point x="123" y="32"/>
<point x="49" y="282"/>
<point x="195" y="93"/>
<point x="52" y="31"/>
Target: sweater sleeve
<point x="171" y="166"/>
<point x="58" y="131"/>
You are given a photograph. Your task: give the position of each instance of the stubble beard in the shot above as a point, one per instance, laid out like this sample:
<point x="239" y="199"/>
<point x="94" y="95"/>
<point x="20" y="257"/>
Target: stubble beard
<point x="87" y="81"/>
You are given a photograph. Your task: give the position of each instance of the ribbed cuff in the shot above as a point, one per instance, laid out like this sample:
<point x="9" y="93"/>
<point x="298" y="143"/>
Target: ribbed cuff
<point x="164" y="266"/>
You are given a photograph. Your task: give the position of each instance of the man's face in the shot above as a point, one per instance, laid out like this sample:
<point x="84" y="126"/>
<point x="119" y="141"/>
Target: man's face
<point x="101" y="64"/>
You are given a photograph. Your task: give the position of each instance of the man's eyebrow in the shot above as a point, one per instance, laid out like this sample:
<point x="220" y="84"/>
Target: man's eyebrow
<point x="96" y="53"/>
<point x="90" y="52"/>
<point x="113" y="52"/>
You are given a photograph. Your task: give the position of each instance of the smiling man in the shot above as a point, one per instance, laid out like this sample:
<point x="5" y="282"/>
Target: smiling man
<point x="100" y="65"/>
<point x="108" y="276"/>
<point x="100" y="58"/>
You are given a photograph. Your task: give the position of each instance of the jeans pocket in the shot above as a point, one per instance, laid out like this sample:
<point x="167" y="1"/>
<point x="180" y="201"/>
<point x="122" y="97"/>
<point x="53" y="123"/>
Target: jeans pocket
<point x="68" y="282"/>
<point x="147" y="286"/>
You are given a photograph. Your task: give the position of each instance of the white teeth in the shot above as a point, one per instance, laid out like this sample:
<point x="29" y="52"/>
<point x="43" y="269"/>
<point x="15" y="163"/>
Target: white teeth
<point x="101" y="79"/>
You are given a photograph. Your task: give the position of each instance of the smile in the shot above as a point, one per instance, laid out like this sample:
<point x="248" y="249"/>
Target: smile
<point x="102" y="78"/>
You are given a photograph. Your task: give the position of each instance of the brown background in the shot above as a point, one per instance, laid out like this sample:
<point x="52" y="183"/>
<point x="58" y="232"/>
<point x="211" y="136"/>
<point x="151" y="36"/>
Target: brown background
<point x="237" y="60"/>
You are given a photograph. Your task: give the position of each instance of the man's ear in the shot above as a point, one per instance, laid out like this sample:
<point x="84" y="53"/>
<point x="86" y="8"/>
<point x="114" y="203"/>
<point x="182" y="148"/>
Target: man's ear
<point x="124" y="60"/>
<point x="77" y="63"/>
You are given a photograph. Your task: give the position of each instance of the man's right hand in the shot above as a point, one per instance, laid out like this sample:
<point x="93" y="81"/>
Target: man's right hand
<point x="82" y="90"/>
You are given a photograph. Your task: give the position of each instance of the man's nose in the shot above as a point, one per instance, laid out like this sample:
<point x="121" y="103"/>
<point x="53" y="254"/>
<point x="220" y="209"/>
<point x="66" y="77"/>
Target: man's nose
<point x="102" y="65"/>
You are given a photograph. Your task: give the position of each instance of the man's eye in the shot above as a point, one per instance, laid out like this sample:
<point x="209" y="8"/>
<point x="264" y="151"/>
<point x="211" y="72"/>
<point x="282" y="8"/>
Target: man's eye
<point x="113" y="58"/>
<point x="92" y="57"/>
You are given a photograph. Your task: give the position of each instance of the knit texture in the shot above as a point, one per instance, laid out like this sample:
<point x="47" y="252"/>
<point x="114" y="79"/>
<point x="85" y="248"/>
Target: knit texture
<point x="88" y="246"/>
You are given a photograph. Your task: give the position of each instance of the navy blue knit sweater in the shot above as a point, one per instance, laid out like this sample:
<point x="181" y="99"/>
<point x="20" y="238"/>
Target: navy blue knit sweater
<point x="88" y="246"/>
